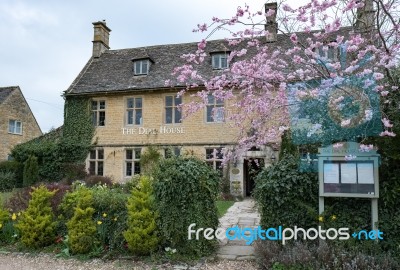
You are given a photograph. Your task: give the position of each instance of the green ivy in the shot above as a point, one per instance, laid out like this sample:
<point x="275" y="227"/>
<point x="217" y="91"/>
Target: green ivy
<point x="185" y="191"/>
<point x="67" y="144"/>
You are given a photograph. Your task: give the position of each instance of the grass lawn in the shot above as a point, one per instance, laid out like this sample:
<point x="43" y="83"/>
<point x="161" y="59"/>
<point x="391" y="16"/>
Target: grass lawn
<point x="223" y="207"/>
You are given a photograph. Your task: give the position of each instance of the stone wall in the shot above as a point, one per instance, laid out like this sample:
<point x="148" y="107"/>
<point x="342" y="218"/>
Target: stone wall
<point x="16" y="108"/>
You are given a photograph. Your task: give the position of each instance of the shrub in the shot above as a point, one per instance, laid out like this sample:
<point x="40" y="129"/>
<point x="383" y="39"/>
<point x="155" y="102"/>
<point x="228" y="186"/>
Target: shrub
<point x="110" y="210"/>
<point x="15" y="167"/>
<point x="93" y="180"/>
<point x="31" y="171"/>
<point x="185" y="191"/>
<point x="286" y="196"/>
<point x="19" y="200"/>
<point x="7" y="180"/>
<point x="81" y="227"/>
<point x="302" y="255"/>
<point x="37" y="225"/>
<point x="73" y="172"/>
<point x="141" y="234"/>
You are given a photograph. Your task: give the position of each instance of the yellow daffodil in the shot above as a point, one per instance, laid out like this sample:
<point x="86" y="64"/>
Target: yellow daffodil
<point x="14" y="216"/>
<point x="99" y="222"/>
<point x="1" y="225"/>
<point x="333" y="217"/>
<point x="104" y="214"/>
<point x="115" y="219"/>
<point x="321" y="218"/>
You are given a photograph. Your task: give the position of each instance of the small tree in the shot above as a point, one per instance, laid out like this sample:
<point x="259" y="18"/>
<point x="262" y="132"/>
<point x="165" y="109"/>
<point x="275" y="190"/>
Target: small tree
<point x="141" y="234"/>
<point x="81" y="227"/>
<point x="31" y="171"/>
<point x="37" y="225"/>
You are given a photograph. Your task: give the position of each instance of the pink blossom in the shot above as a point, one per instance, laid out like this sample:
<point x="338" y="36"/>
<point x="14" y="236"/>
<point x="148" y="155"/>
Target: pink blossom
<point x="387" y="123"/>
<point x="366" y="148"/>
<point x="387" y="133"/>
<point x="293" y="38"/>
<point x="350" y="157"/>
<point x="202" y="44"/>
<point x="384" y="93"/>
<point x="338" y="145"/>
<point x="378" y="76"/>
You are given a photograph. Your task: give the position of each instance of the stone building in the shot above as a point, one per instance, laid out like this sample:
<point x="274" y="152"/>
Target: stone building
<point x="132" y="109"/>
<point x="17" y="122"/>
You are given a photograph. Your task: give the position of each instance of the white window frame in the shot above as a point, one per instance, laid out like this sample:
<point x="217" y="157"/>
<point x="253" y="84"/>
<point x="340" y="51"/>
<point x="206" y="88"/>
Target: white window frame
<point x="13" y="127"/>
<point x="215" y="161"/>
<point x="134" y="111"/>
<point x="217" y="110"/>
<point x="96" y="159"/>
<point x="170" y="152"/>
<point x="216" y="60"/>
<point x="132" y="162"/>
<point x="96" y="112"/>
<point x="175" y="109"/>
<point x="143" y="70"/>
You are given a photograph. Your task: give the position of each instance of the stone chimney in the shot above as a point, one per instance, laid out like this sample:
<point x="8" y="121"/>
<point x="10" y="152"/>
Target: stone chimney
<point x="271" y="25"/>
<point x="365" y="21"/>
<point x="101" y="38"/>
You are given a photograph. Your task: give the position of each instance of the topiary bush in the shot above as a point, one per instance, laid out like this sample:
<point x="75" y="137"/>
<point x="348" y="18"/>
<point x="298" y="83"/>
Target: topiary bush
<point x="37" y="225"/>
<point x="81" y="227"/>
<point x="286" y="196"/>
<point x="185" y="191"/>
<point x="141" y="234"/>
<point x="31" y="171"/>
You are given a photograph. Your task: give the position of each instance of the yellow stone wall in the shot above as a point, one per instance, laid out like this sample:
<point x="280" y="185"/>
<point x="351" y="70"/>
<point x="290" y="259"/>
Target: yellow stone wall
<point x="193" y="135"/>
<point x="16" y="108"/>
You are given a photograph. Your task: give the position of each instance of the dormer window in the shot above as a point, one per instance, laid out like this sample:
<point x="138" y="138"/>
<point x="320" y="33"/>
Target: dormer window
<point x="141" y="67"/>
<point x="220" y="60"/>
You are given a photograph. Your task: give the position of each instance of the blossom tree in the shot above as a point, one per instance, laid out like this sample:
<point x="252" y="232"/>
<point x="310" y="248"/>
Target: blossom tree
<point x="323" y="69"/>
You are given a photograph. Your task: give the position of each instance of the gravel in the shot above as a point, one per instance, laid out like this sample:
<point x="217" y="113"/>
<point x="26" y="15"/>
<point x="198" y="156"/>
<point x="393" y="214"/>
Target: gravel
<point x="16" y="261"/>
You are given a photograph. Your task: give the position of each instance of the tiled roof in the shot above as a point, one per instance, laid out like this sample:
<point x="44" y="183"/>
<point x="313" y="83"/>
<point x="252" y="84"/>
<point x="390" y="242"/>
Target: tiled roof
<point x="113" y="70"/>
<point x="5" y="92"/>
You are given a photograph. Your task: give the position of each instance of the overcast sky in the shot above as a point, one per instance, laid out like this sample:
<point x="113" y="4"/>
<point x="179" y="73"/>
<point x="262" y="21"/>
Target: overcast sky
<point x="45" y="44"/>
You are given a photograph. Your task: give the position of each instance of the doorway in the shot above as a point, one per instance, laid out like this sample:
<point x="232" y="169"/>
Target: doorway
<point x="252" y="167"/>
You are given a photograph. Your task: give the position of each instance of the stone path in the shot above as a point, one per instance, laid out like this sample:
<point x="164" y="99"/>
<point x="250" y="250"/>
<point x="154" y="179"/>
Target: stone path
<point x="241" y="214"/>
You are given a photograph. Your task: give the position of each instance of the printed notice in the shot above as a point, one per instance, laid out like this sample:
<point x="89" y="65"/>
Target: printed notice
<point x="331" y="173"/>
<point x="348" y="173"/>
<point x="365" y="173"/>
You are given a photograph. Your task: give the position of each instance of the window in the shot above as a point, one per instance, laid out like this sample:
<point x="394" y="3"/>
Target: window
<point x="132" y="161"/>
<point x="220" y="60"/>
<point x="328" y="52"/>
<point x="141" y="67"/>
<point x="134" y="111"/>
<point x="14" y="127"/>
<point x="172" y="151"/>
<point x="99" y="112"/>
<point x="215" y="110"/>
<point x="214" y="158"/>
<point x="172" y="113"/>
<point x="96" y="162"/>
